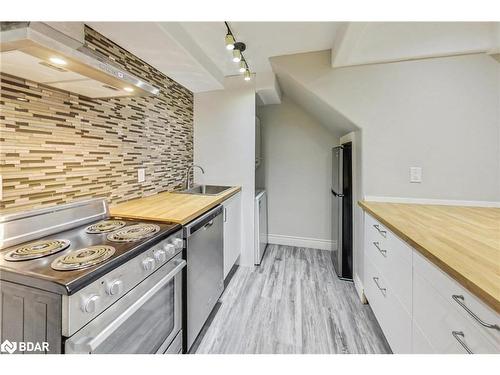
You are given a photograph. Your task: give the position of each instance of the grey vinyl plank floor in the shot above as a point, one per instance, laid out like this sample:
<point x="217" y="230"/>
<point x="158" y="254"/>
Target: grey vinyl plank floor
<point x="292" y="303"/>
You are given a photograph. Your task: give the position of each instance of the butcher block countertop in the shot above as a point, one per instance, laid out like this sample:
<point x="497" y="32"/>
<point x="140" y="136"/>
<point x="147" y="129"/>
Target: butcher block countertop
<point x="463" y="241"/>
<point x="171" y="206"/>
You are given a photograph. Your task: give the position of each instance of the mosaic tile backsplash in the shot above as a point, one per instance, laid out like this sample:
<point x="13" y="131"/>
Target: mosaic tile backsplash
<point x="59" y="147"/>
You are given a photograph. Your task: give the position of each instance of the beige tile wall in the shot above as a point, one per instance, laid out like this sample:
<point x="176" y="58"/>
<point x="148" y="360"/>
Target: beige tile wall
<point x="58" y="147"/>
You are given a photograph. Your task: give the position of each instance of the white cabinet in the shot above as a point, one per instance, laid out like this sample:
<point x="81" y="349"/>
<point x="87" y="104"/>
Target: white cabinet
<point x="232" y="231"/>
<point x="388" y="281"/>
<point x="443" y="326"/>
<point x="420" y="308"/>
<point x="440" y="312"/>
<point x="392" y="257"/>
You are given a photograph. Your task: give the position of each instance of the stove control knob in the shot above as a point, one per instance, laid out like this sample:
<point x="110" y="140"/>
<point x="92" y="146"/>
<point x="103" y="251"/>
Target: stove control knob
<point x="148" y="264"/>
<point x="170" y="249"/>
<point x="160" y="256"/>
<point x="114" y="287"/>
<point x="90" y="304"/>
<point x="178" y="243"/>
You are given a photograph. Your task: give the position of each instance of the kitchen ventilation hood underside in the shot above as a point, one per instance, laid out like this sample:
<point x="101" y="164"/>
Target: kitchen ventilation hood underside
<point x="29" y="52"/>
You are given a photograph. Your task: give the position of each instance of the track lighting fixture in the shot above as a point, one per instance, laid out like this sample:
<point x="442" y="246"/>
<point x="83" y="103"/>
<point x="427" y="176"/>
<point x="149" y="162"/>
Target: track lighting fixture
<point x="237" y="49"/>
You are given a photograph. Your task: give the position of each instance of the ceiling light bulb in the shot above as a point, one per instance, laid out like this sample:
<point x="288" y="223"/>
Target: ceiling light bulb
<point x="247" y="75"/>
<point x="128" y="89"/>
<point x="243" y="67"/>
<point x="229" y="42"/>
<point x="57" y="61"/>
<point x="236" y="55"/>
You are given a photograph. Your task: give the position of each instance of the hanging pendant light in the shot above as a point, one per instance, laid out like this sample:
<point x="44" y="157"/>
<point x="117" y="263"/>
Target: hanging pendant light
<point x="236" y="55"/>
<point x="247" y="76"/>
<point x="229" y="42"/>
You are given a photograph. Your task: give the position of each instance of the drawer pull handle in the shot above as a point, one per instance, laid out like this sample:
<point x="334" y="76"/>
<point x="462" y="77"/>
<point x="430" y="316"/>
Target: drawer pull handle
<point x="459" y="336"/>
<point x="382" y="232"/>
<point x="382" y="251"/>
<point x="460" y="300"/>
<point x="383" y="290"/>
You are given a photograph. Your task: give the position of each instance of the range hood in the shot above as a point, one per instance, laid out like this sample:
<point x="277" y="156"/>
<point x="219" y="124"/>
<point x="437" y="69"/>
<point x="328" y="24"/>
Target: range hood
<point x="55" y="55"/>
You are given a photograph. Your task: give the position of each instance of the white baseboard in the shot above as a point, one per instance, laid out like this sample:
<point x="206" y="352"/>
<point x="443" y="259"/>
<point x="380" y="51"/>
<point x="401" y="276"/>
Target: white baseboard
<point x="312" y="243"/>
<point x="443" y="202"/>
<point x="360" y="290"/>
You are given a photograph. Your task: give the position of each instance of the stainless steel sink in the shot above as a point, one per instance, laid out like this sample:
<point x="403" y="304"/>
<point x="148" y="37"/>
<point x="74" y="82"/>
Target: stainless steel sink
<point x="205" y="190"/>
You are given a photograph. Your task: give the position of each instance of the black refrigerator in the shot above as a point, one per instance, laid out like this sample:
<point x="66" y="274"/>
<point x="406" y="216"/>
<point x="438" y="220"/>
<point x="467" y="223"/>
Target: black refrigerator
<point x="342" y="210"/>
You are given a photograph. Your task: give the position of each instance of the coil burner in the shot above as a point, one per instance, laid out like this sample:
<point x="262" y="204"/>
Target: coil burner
<point x="105" y="226"/>
<point x="133" y="233"/>
<point x="83" y="258"/>
<point x="35" y="250"/>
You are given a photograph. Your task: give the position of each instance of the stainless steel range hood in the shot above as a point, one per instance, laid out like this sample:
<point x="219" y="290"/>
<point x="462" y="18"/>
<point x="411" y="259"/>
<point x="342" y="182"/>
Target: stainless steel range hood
<point x="43" y="53"/>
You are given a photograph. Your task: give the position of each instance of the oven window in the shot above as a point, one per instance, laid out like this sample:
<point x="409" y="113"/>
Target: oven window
<point x="146" y="330"/>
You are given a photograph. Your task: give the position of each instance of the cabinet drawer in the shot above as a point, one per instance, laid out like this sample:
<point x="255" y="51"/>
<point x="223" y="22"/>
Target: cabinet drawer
<point x="459" y="298"/>
<point x="442" y="325"/>
<point x="392" y="317"/>
<point x="375" y="231"/>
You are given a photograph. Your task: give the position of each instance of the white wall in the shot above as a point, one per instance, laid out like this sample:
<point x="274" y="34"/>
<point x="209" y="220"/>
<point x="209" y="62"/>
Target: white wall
<point x="224" y="145"/>
<point x="297" y="174"/>
<point x="441" y="114"/>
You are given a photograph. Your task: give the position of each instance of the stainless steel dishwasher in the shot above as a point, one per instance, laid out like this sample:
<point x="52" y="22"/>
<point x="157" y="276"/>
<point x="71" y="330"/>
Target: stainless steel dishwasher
<point x="205" y="281"/>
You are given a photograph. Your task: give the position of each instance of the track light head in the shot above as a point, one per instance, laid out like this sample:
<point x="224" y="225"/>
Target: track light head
<point x="236" y="55"/>
<point x="243" y="66"/>
<point x="247" y="76"/>
<point x="229" y="42"/>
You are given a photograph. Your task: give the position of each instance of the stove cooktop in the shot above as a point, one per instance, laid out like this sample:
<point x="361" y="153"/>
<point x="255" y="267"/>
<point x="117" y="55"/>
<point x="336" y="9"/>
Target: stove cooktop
<point x="59" y="268"/>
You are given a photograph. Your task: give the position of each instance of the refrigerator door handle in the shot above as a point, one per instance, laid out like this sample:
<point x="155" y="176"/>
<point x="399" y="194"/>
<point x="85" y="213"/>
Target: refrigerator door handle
<point x="337" y="194"/>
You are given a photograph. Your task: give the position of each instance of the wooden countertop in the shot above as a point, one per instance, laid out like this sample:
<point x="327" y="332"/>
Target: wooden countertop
<point x="171" y="206"/>
<point x="463" y="241"/>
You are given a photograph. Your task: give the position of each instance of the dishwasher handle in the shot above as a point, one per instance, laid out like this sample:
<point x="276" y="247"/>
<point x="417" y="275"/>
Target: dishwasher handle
<point x="203" y="222"/>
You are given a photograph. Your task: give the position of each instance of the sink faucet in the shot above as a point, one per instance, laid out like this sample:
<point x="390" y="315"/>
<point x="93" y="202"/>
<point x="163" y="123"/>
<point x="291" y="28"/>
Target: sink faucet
<point x="189" y="170"/>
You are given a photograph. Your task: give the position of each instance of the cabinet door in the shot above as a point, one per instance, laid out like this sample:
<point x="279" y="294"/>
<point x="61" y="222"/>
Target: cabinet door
<point x="232" y="231"/>
<point x="30" y="315"/>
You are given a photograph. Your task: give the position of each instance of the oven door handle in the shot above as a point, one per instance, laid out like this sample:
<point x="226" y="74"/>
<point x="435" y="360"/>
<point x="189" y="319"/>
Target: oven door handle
<point x="90" y="344"/>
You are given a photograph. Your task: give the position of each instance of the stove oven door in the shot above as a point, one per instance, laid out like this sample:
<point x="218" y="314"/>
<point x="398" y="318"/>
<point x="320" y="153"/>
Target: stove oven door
<point x="145" y="320"/>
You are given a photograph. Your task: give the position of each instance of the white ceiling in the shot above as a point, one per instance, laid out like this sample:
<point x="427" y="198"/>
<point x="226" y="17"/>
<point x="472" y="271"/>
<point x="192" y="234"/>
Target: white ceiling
<point x="263" y="40"/>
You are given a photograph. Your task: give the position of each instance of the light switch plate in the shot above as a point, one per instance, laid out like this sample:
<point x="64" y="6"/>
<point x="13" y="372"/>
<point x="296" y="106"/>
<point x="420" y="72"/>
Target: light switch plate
<point x="141" y="175"/>
<point x="416" y="174"/>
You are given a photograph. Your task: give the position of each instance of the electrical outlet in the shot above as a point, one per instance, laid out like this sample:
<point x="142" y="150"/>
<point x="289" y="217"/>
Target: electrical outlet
<point x="141" y="175"/>
<point x="416" y="174"/>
